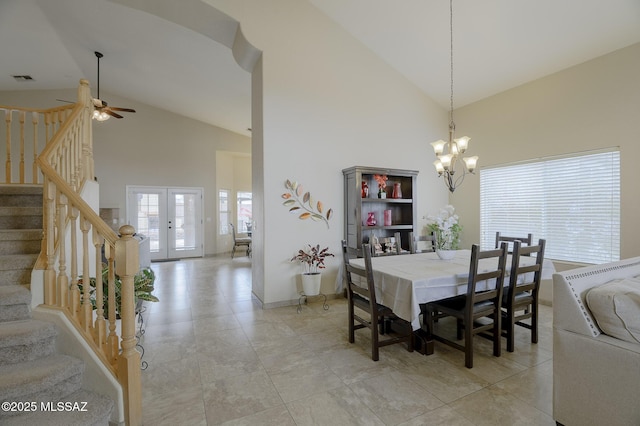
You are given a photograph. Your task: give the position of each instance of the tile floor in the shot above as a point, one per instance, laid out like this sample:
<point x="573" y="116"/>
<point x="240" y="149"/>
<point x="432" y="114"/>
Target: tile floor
<point x="215" y="357"/>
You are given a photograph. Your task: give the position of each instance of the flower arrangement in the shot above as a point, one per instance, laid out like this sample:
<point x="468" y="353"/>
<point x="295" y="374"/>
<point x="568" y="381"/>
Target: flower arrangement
<point x="446" y="228"/>
<point x="382" y="185"/>
<point x="382" y="181"/>
<point x="312" y="258"/>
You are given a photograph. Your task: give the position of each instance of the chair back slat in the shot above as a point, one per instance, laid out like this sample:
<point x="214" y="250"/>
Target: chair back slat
<point x="496" y="273"/>
<point x="414" y="241"/>
<point x="528" y="240"/>
<point x="366" y="286"/>
<point x="532" y="283"/>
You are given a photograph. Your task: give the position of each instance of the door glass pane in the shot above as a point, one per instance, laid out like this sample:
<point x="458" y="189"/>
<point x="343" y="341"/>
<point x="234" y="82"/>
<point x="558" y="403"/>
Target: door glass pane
<point x="148" y="219"/>
<point x="185" y="221"/>
<point x="245" y="214"/>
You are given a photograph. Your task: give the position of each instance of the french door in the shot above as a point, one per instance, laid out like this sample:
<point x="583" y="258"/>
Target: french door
<point x="170" y="217"/>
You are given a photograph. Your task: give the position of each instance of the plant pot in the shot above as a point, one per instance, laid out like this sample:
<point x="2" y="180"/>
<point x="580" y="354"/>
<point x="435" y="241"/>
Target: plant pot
<point x="311" y="284"/>
<point x="446" y="254"/>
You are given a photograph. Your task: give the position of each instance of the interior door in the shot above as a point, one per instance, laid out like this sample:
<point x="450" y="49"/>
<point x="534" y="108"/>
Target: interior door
<point x="170" y="217"/>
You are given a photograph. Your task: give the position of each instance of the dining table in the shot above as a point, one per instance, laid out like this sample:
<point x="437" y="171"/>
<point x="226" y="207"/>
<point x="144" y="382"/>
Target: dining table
<point x="404" y="282"/>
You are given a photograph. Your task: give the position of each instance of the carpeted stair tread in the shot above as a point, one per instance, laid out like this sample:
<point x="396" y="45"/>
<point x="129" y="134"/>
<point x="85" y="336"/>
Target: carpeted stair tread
<point x="21" y="211"/>
<point x="14" y="295"/>
<point x="20" y="234"/>
<point x="22" y="189"/>
<point x="26" y="340"/>
<point x="17" y="261"/>
<point x="20" y="241"/>
<point x="41" y="379"/>
<point x="98" y="410"/>
<point x="23" y="332"/>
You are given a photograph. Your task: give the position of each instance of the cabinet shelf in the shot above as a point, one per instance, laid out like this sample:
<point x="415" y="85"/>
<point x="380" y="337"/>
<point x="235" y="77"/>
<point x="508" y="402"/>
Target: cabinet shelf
<point x="388" y="200"/>
<point x="390" y="227"/>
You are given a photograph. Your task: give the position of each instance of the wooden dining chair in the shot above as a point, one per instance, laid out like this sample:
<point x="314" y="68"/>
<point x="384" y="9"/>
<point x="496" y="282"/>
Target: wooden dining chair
<point x="520" y="299"/>
<point x="239" y="242"/>
<point x="415" y="240"/>
<point x="509" y="240"/>
<point x="475" y="304"/>
<point x="361" y="294"/>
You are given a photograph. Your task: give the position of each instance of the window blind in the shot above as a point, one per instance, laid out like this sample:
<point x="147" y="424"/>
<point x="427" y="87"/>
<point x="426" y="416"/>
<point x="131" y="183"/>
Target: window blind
<point x="573" y="202"/>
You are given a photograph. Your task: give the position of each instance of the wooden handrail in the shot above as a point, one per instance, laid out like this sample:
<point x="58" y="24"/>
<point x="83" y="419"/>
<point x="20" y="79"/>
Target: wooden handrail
<point x="66" y="164"/>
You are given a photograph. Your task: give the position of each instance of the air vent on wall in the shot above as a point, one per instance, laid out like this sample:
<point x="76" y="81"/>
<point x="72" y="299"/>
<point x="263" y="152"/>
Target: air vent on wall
<point x="22" y="77"/>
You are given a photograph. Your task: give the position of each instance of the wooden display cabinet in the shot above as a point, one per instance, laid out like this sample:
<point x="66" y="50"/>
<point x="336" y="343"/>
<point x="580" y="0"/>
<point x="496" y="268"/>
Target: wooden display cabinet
<point x="403" y="210"/>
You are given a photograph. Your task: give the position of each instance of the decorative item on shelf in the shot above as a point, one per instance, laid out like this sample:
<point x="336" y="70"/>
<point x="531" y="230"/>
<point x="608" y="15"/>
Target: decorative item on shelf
<point x="382" y="185"/>
<point x="371" y="219"/>
<point x="446" y="161"/>
<point x="447" y="231"/>
<point x="375" y="242"/>
<point x="365" y="189"/>
<point x="297" y="199"/>
<point x="387" y="218"/>
<point x="397" y="190"/>
<point x="388" y="244"/>
<point x="312" y="259"/>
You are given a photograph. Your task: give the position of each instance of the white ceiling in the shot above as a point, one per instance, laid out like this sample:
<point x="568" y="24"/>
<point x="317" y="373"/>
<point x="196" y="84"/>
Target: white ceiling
<point x="498" y="45"/>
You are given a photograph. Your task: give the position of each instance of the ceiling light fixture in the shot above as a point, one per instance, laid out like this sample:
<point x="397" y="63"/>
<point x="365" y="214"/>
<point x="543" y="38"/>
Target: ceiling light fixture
<point x="448" y="153"/>
<point x="102" y="111"/>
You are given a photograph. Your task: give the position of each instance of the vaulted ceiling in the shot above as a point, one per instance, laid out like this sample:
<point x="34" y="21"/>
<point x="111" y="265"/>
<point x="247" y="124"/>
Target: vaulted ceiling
<point x="498" y="45"/>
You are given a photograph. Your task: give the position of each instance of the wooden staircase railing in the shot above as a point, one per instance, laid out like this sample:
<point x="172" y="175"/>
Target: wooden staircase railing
<point x="75" y="236"/>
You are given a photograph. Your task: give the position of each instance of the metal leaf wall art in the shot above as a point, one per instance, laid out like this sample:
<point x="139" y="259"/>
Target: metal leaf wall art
<point x="302" y="203"/>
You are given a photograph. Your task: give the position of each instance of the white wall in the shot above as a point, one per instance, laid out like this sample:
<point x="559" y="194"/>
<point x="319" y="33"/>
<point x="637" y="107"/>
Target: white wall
<point x="590" y="106"/>
<point x="151" y="147"/>
<point x="327" y="103"/>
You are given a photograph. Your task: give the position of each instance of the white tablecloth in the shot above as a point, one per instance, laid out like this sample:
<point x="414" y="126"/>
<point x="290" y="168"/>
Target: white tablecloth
<point x="404" y="282"/>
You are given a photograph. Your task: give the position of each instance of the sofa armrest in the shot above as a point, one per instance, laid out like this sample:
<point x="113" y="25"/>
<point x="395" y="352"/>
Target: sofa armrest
<point x="595" y="380"/>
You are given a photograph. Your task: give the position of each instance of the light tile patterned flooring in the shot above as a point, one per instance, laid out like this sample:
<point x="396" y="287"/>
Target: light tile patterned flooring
<point x="215" y="357"/>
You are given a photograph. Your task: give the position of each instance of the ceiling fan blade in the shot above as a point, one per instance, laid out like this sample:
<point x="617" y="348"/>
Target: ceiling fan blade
<point x="111" y="113"/>
<point x="122" y="109"/>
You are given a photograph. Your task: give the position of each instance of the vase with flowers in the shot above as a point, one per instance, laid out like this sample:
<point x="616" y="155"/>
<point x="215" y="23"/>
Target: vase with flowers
<point x="447" y="230"/>
<point x="312" y="259"/>
<point x="382" y="185"/>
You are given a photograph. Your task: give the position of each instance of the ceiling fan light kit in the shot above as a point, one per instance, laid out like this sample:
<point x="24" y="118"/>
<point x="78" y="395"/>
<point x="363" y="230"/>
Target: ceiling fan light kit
<point x="102" y="111"/>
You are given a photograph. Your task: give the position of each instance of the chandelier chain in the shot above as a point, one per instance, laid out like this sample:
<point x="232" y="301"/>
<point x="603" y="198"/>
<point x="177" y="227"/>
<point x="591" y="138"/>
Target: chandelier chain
<point x="451" y="124"/>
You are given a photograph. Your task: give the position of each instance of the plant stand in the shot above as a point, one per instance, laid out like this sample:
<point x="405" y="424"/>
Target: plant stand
<point x="304" y="297"/>
<point x="140" y="309"/>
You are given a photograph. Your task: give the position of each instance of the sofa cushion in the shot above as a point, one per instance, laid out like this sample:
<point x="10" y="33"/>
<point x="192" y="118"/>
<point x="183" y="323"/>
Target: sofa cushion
<point x="616" y="308"/>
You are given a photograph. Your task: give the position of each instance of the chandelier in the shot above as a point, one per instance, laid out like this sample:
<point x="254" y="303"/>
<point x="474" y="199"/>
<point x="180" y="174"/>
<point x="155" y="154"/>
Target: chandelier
<point x="448" y="153"/>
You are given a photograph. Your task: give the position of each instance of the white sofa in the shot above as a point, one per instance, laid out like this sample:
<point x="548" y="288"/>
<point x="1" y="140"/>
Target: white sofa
<point x="596" y="377"/>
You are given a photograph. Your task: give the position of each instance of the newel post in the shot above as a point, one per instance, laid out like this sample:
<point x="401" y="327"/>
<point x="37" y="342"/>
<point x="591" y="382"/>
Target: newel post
<point x="127" y="266"/>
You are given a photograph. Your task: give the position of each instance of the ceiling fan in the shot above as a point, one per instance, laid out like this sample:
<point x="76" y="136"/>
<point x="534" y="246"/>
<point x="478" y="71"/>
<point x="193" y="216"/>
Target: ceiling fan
<point x="103" y="111"/>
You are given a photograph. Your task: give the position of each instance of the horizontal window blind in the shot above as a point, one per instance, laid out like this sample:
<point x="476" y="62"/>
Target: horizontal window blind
<point x="573" y="202"/>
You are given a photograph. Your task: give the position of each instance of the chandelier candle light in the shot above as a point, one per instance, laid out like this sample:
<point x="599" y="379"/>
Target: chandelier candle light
<point x="448" y="152"/>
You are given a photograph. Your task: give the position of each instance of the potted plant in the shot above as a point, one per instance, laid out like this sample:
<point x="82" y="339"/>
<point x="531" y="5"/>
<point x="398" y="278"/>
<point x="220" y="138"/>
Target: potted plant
<point x="143" y="286"/>
<point x="312" y="259"/>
